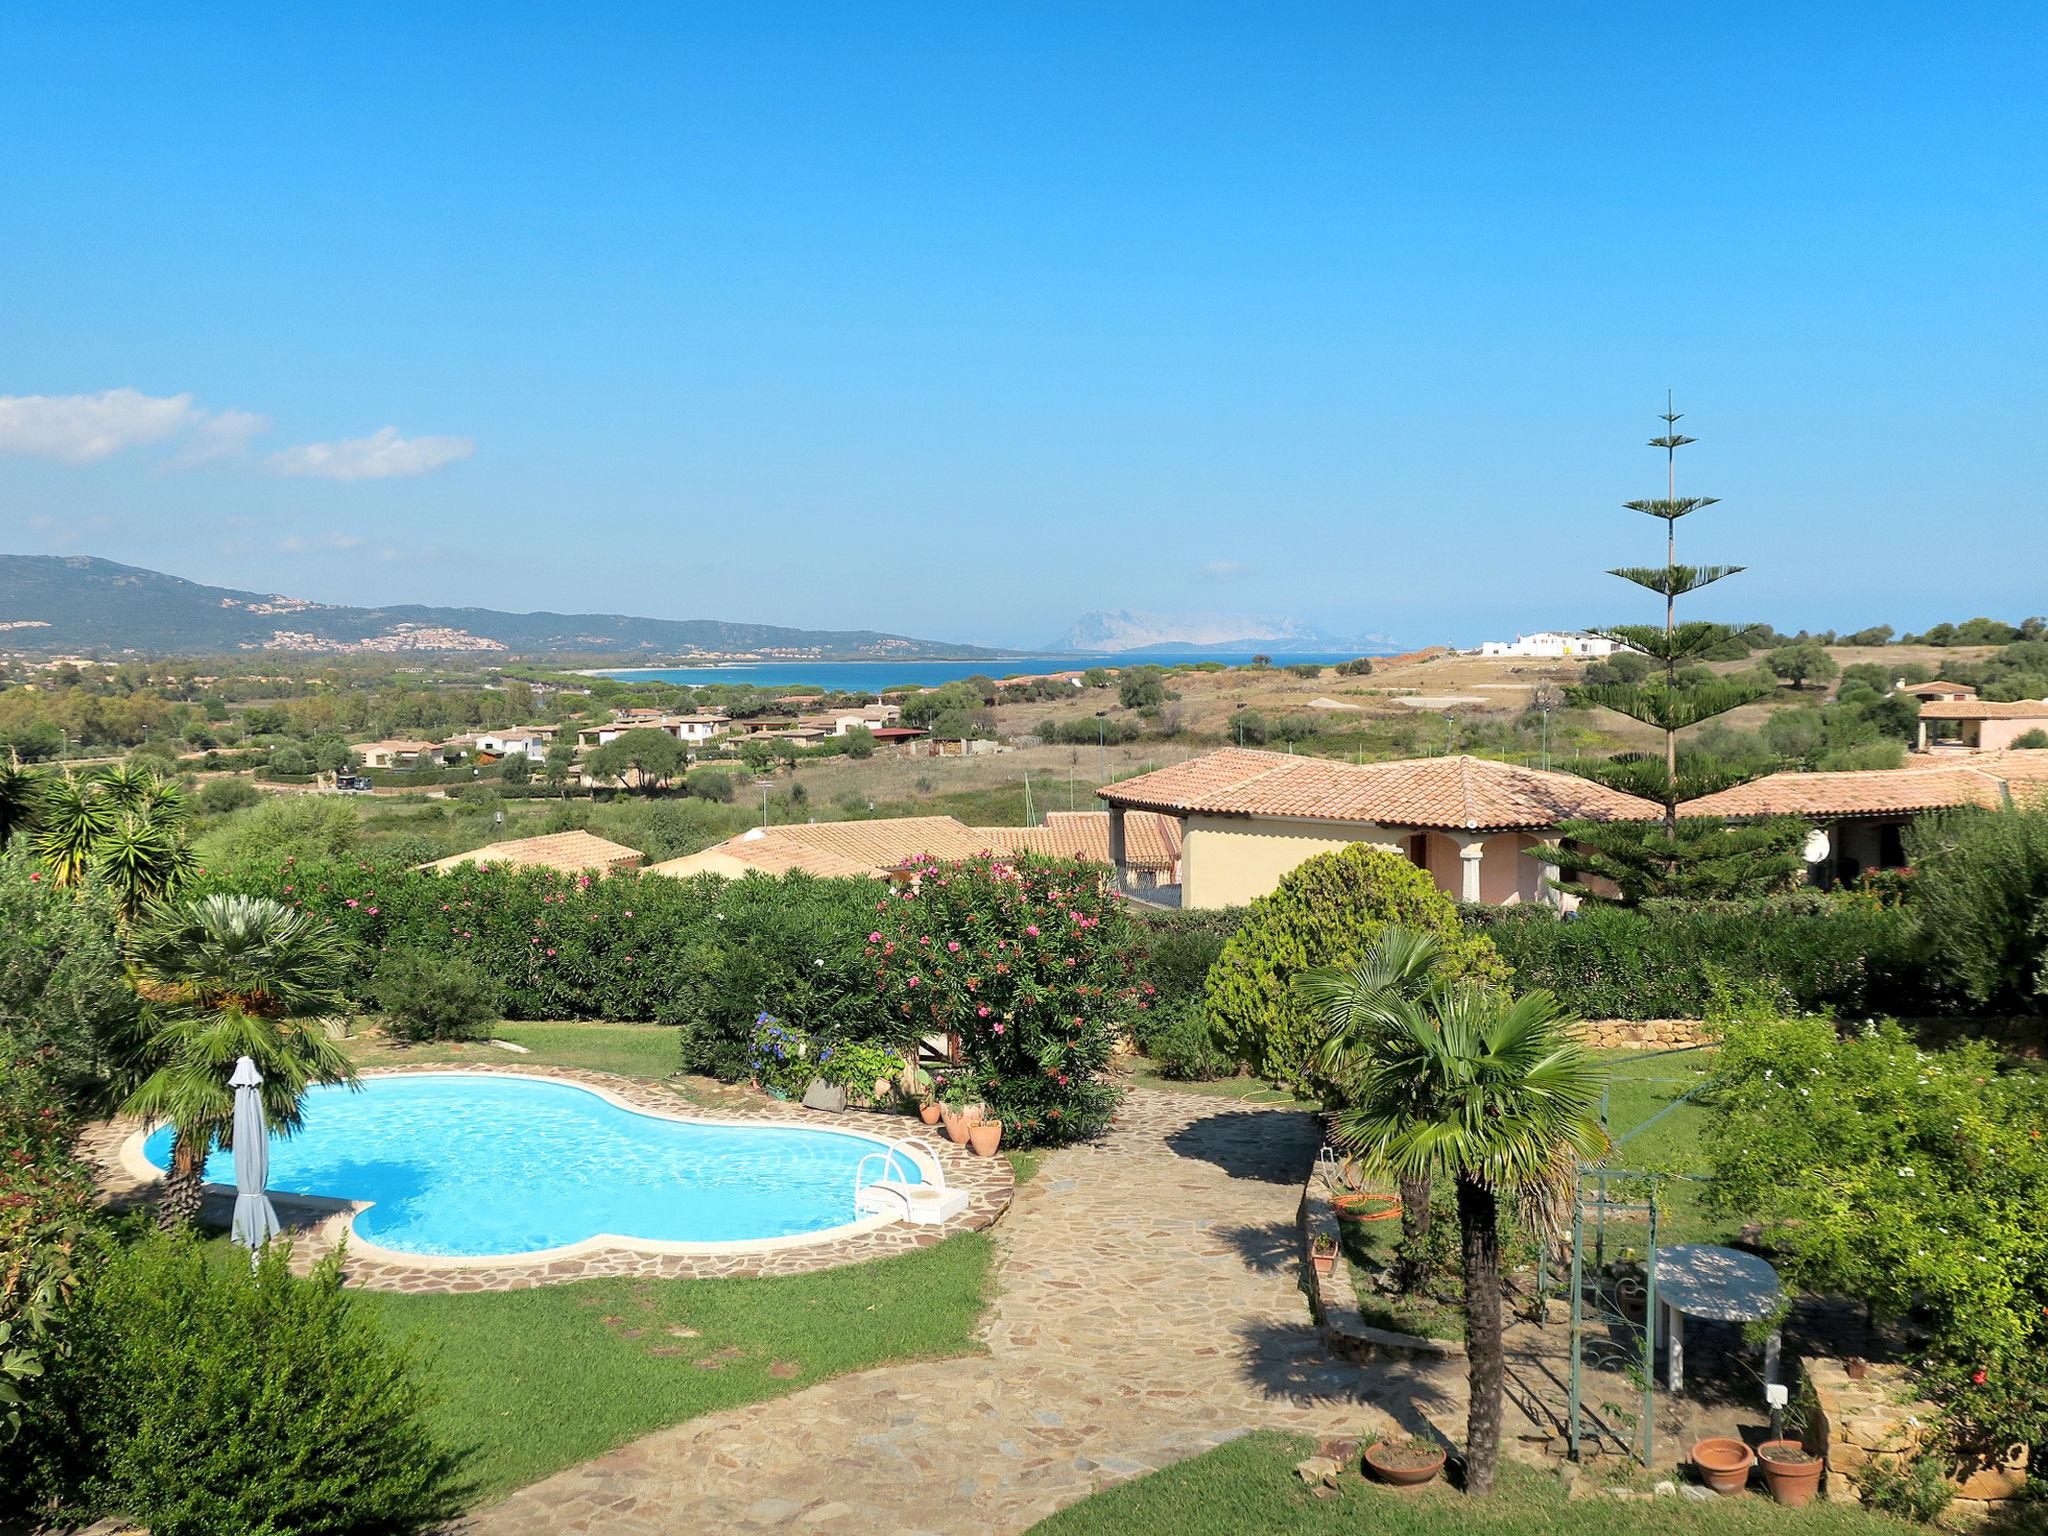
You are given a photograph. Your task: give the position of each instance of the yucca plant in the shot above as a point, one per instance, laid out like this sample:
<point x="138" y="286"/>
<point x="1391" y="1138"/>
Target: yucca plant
<point x="231" y="976"/>
<point x="1492" y="1093"/>
<point x="71" y="815"/>
<point x="19" y="792"/>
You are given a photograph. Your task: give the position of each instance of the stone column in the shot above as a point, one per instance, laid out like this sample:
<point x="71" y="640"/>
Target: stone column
<point x="1471" y="849"/>
<point x="1116" y="846"/>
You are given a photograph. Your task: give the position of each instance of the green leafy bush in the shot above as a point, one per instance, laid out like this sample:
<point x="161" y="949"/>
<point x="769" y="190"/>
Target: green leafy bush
<point x="1980" y="890"/>
<point x="779" y="1058"/>
<point x="433" y="996"/>
<point x="1915" y="1492"/>
<point x="1910" y="1179"/>
<point x="205" y="1398"/>
<point x="1029" y="962"/>
<point x="1181" y="1044"/>
<point x="1326" y="911"/>
<point x="1176" y="948"/>
<point x="1808" y="951"/>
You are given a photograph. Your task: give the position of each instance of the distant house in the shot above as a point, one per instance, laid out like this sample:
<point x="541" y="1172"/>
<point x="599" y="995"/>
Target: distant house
<point x="1958" y="725"/>
<point x="690" y="729"/>
<point x="1938" y="689"/>
<point x="397" y="753"/>
<point x="1551" y="645"/>
<point x="1864" y="814"/>
<point x="527" y="741"/>
<point x="574" y="852"/>
<point x="1247" y="818"/>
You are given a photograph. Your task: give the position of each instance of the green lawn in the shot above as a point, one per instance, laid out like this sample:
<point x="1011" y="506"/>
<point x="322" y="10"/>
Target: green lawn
<point x="539" y="1379"/>
<point x="1640" y="1086"/>
<point x="633" y="1050"/>
<point x="1249" y="1486"/>
<point x="1255" y="1089"/>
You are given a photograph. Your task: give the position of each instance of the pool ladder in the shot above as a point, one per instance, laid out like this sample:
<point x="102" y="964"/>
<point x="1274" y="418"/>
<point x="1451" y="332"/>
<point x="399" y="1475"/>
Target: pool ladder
<point x="921" y="1204"/>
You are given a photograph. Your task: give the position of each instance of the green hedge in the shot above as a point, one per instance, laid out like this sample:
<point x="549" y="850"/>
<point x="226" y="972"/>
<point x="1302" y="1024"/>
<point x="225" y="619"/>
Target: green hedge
<point x="1664" y="961"/>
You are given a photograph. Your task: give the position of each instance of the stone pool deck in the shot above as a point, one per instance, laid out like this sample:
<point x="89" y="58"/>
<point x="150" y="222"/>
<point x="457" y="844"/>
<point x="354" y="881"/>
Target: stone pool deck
<point x="1149" y="1307"/>
<point x="316" y="1228"/>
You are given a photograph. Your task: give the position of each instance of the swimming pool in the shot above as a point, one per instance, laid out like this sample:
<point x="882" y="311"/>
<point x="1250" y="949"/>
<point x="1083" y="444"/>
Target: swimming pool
<point x="475" y="1165"/>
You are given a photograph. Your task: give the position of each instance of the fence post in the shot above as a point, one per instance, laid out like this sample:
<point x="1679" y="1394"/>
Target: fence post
<point x="1650" y="1338"/>
<point x="1578" y="1309"/>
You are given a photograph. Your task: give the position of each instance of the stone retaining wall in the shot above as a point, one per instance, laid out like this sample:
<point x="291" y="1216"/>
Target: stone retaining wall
<point x="1333" y="1299"/>
<point x="1642" y="1034"/>
<point x="1873" y="1422"/>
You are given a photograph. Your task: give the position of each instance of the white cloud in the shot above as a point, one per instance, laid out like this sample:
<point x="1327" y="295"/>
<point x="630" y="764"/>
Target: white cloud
<point x="380" y="456"/>
<point x="1224" y="570"/>
<point x="222" y="435"/>
<point x="84" y="429"/>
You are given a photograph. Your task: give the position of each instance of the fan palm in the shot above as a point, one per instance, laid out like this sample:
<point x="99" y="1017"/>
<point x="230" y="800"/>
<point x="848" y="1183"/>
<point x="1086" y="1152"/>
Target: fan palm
<point x="231" y="976"/>
<point x="1492" y="1093"/>
<point x="1401" y="964"/>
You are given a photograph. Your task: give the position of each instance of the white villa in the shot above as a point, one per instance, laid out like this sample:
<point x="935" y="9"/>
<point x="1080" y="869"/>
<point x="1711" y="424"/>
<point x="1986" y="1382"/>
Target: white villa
<point x="1551" y="645"/>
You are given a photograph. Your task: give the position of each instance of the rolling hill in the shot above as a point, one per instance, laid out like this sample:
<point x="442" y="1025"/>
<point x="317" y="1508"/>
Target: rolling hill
<point x="79" y="605"/>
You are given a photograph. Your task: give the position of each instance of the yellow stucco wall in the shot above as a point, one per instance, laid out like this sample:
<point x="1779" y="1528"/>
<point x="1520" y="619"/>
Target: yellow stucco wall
<point x="1226" y="861"/>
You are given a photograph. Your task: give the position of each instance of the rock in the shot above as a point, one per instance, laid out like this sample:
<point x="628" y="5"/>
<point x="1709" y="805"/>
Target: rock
<point x="1340" y="1451"/>
<point x="1316" y="1470"/>
<point x="1697" y="1491"/>
<point x="825" y="1096"/>
<point x="1667" y="1489"/>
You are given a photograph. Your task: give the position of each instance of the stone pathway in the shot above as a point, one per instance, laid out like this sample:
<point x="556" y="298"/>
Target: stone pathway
<point x="1149" y="1308"/>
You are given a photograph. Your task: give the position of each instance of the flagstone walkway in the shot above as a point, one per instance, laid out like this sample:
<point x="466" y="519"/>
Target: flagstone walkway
<point x="1149" y="1308"/>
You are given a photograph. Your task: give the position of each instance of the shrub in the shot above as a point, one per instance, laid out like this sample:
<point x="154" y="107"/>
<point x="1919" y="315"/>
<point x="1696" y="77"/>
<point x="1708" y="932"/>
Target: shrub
<point x="1029" y="962"/>
<point x="1915" y="1492"/>
<point x="219" y="796"/>
<point x="1907" y="1178"/>
<point x="1980" y="890"/>
<point x="779" y="1058"/>
<point x="711" y="784"/>
<point x="1182" y="1046"/>
<point x="303" y="826"/>
<point x="1326" y="911"/>
<point x="433" y="996"/>
<point x="206" y="1398"/>
<point x="1176" y="948"/>
<point x="1806" y="951"/>
<point x="2031" y="740"/>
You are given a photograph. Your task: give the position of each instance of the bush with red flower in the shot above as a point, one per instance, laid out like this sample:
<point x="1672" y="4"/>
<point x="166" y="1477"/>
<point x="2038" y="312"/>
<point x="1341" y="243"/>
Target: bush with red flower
<point x="1029" y="962"/>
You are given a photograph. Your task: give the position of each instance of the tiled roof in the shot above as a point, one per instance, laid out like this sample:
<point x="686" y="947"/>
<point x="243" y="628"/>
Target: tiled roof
<point x="393" y="746"/>
<point x="1151" y="841"/>
<point x="1463" y="793"/>
<point x="1987" y="779"/>
<point x="556" y="850"/>
<point x="773" y="856"/>
<point x="1984" y="709"/>
<point x="1939" y="687"/>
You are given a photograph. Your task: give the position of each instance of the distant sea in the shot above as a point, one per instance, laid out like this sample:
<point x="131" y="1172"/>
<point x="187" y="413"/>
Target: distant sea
<point x="874" y="676"/>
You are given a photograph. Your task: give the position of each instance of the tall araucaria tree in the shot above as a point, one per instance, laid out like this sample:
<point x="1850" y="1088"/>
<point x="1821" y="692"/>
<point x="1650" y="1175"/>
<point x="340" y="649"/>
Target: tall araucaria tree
<point x="1706" y="857"/>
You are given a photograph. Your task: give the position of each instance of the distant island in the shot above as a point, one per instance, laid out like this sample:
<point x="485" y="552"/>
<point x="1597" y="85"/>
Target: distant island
<point x="75" y="604"/>
<point x="1122" y="632"/>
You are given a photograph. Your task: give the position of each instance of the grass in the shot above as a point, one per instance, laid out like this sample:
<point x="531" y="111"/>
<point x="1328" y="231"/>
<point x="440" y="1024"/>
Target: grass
<point x="1255" y="1089"/>
<point x="1640" y="1087"/>
<point x="632" y="1050"/>
<point x="1249" y="1486"/>
<point x="537" y="1380"/>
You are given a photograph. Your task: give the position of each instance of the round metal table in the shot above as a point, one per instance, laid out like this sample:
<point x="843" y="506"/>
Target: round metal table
<point x="1719" y="1285"/>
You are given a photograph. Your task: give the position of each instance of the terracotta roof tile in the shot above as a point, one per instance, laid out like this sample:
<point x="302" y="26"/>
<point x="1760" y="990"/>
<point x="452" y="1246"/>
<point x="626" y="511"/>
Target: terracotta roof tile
<point x="1463" y="793"/>
<point x="557" y="850"/>
<point x="1984" y="709"/>
<point x="1151" y="841"/>
<point x="1986" y="779"/>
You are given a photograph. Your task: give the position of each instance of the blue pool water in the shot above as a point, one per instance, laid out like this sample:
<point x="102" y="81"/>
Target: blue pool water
<point x="468" y="1165"/>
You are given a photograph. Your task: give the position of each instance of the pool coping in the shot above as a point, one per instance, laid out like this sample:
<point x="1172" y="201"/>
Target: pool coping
<point x="319" y="1224"/>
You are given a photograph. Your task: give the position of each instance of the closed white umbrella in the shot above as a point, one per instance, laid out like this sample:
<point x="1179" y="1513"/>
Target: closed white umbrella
<point x="255" y="1220"/>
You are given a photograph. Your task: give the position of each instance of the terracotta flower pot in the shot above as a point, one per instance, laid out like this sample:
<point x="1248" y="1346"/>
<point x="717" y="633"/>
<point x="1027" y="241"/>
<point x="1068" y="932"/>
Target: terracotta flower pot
<point x="1723" y="1464"/>
<point x="984" y="1137"/>
<point x="1325" y="1263"/>
<point x="1404" y="1463"/>
<point x="929" y="1113"/>
<point x="1793" y="1480"/>
<point x="1363" y="1205"/>
<point x="959" y="1122"/>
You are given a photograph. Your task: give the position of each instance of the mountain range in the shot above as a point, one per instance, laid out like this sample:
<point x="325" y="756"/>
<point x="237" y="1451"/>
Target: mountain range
<point x="1119" y="631"/>
<point x="76" y="604"/>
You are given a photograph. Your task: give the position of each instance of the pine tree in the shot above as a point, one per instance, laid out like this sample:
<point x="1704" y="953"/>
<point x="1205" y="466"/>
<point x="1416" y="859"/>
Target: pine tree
<point x="1702" y="857"/>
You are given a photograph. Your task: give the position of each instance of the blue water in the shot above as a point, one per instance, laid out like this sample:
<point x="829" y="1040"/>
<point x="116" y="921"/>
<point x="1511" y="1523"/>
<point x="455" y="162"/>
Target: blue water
<point x="472" y="1165"/>
<point x="874" y="676"/>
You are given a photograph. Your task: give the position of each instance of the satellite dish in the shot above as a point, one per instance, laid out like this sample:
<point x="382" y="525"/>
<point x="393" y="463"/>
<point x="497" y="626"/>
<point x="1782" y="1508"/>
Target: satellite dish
<point x="1817" y="847"/>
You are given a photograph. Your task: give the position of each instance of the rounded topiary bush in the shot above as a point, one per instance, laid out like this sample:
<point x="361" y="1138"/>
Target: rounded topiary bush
<point x="1327" y="911"/>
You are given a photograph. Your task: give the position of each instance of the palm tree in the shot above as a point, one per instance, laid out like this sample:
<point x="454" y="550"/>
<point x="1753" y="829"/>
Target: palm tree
<point x="72" y="815"/>
<point x="19" y="791"/>
<point x="231" y="976"/>
<point x="1493" y="1093"/>
<point x="142" y="856"/>
<point x="1401" y="964"/>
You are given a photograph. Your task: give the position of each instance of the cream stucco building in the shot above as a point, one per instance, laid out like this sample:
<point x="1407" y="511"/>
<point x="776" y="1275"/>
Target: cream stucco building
<point x="1247" y="818"/>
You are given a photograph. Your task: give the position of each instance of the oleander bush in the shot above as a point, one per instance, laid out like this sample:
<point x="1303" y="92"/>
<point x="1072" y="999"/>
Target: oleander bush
<point x="1029" y="962"/>
<point x="1806" y="951"/>
<point x="1326" y="911"/>
<point x="202" y="1397"/>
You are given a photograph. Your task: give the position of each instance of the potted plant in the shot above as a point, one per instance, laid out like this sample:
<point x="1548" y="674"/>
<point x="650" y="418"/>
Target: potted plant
<point x="1405" y="1463"/>
<point x="929" y="1111"/>
<point x="1365" y="1205"/>
<point x="985" y="1135"/>
<point x="958" y="1107"/>
<point x="1791" y="1471"/>
<point x="1723" y="1463"/>
<point x="1322" y="1253"/>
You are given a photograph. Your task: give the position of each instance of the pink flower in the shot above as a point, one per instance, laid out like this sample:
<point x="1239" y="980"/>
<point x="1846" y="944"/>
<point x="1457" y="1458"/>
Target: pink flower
<point x="351" y="901"/>
<point x="874" y="938"/>
<point x="551" y="954"/>
<point x="629" y="915"/>
<point x="373" y="911"/>
<point x="1031" y="932"/>
<point x="953" y="945"/>
<point x="999" y="1029"/>
<point x="981" y="1012"/>
<point x="913" y="981"/>
<point x="35" y="879"/>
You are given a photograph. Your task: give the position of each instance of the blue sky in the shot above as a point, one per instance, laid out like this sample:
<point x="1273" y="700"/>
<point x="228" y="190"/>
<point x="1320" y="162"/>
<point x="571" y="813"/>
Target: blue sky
<point x="962" y="320"/>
